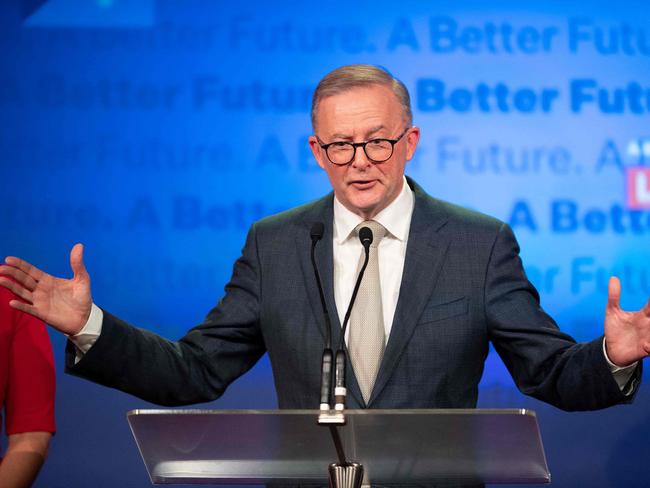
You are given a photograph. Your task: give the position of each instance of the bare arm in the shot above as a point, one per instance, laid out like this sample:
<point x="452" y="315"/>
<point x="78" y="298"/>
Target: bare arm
<point x="24" y="457"/>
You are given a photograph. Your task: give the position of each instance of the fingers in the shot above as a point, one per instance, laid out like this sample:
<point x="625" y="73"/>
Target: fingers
<point x="77" y="261"/>
<point x="16" y="288"/>
<point x="24" y="307"/>
<point x="25" y="267"/>
<point x="614" y="292"/>
<point x="18" y="275"/>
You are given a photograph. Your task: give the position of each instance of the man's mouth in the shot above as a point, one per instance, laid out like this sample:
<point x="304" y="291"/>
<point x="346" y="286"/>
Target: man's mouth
<point x="363" y="184"/>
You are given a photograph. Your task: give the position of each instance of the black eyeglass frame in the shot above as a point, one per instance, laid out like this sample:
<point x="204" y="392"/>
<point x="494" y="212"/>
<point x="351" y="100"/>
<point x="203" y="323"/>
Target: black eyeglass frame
<point x="355" y="145"/>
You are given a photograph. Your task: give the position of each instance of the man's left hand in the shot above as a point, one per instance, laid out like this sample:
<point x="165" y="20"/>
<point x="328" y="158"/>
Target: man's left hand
<point x="627" y="334"/>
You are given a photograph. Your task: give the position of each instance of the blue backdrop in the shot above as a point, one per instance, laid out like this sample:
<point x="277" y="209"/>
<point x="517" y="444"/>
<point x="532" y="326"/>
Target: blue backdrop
<point x="156" y="131"/>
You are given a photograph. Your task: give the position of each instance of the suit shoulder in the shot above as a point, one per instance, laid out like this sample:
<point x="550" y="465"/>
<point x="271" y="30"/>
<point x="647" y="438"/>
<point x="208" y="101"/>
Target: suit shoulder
<point x="305" y="213"/>
<point x="459" y="216"/>
<point x="468" y="227"/>
<point x="438" y="212"/>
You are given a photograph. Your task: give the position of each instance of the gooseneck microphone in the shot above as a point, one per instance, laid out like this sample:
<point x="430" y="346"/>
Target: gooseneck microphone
<point x="365" y="236"/>
<point x="316" y="234"/>
<point x="340" y="391"/>
<point x="337" y="417"/>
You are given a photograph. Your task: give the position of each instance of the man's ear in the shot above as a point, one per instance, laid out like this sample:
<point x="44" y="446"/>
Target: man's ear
<point x="316" y="151"/>
<point x="412" y="139"/>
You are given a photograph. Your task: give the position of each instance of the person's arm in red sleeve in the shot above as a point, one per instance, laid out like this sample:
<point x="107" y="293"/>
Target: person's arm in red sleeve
<point x="29" y="402"/>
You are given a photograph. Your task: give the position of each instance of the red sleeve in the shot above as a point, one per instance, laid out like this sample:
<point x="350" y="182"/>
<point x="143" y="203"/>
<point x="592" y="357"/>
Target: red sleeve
<point x="29" y="400"/>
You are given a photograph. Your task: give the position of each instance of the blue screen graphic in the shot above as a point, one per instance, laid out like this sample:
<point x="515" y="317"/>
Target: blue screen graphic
<point x="155" y="132"/>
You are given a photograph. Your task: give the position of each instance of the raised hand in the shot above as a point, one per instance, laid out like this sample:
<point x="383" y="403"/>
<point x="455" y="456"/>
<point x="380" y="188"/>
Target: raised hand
<point x="627" y="334"/>
<point x="64" y="304"/>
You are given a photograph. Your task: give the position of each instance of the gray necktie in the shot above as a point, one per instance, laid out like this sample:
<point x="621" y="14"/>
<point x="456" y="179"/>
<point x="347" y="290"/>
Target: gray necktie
<point x="367" y="337"/>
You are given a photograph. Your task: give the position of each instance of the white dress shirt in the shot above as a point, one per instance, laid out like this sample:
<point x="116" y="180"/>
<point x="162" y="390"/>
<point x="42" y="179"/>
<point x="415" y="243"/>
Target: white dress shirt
<point x="391" y="252"/>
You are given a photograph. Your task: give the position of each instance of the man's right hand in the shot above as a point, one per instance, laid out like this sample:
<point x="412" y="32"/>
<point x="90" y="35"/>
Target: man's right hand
<point x="64" y="304"/>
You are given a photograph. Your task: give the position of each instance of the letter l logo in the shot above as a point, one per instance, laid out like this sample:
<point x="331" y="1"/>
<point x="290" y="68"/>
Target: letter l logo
<point x="638" y="187"/>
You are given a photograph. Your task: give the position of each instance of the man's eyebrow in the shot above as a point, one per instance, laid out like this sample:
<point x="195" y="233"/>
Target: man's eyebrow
<point x="374" y="130"/>
<point x="339" y="135"/>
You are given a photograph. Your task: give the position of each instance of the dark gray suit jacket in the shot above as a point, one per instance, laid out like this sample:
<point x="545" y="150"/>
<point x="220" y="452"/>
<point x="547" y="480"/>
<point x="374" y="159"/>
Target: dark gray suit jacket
<point x="463" y="286"/>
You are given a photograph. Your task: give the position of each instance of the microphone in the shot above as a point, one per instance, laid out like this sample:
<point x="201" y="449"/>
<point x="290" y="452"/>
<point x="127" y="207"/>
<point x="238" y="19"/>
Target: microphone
<point x="365" y="236"/>
<point x="316" y="235"/>
<point x="340" y="391"/>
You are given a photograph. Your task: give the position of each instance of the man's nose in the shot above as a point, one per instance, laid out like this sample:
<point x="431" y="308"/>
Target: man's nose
<point x="360" y="160"/>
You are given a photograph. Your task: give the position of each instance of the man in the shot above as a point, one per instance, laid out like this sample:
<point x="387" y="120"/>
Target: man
<point x="447" y="281"/>
<point x="26" y="394"/>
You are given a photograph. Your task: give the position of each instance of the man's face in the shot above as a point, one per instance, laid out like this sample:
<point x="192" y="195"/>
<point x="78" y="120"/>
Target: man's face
<point x="358" y="115"/>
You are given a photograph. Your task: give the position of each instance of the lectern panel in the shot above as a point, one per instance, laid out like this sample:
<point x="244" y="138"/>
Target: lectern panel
<point x="395" y="446"/>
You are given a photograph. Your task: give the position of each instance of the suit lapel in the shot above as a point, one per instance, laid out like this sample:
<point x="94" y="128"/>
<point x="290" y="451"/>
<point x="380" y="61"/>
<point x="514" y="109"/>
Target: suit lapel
<point x="425" y="254"/>
<point x="323" y="212"/>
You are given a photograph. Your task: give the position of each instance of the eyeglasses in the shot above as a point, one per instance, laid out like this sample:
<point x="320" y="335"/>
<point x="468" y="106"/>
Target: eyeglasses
<point x="377" y="150"/>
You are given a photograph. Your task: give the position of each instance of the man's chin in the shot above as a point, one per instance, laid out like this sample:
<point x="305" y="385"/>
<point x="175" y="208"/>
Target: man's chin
<point x="366" y="208"/>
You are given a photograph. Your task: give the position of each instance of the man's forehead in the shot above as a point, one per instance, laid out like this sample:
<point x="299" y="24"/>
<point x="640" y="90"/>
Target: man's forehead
<point x="368" y="109"/>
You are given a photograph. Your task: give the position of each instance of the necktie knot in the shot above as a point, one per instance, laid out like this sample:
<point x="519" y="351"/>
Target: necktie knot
<point x="378" y="231"/>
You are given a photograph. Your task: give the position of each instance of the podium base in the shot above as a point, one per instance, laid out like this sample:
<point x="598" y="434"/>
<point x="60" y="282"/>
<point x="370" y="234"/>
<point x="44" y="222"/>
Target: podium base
<point x="346" y="476"/>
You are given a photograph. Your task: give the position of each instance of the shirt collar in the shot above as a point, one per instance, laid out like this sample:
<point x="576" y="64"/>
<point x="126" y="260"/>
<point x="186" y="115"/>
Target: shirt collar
<point x="396" y="217"/>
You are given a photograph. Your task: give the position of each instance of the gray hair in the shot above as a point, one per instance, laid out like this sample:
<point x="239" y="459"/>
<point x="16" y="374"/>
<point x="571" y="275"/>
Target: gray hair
<point x="360" y="75"/>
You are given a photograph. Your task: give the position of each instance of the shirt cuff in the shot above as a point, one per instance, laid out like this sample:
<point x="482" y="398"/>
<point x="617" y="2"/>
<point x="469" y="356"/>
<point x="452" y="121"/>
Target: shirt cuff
<point x="622" y="374"/>
<point x="87" y="336"/>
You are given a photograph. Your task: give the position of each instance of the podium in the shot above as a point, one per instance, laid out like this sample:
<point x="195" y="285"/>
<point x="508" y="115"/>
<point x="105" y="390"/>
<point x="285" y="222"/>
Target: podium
<point x="288" y="446"/>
